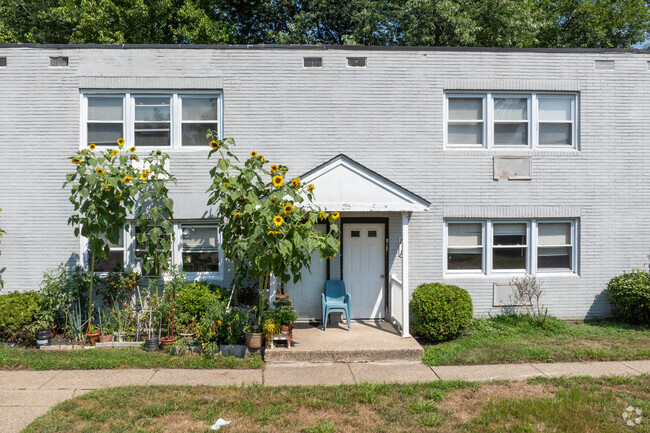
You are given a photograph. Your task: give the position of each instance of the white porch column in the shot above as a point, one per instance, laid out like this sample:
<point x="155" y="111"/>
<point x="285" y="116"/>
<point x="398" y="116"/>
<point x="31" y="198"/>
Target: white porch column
<point x="405" y="274"/>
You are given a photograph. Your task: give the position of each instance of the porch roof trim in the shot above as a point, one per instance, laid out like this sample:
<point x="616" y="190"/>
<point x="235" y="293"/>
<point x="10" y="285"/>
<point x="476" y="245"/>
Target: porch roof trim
<point x="342" y="184"/>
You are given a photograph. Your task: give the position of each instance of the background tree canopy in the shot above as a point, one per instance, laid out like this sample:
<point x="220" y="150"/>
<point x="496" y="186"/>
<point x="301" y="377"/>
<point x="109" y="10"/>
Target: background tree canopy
<point x="499" y="23"/>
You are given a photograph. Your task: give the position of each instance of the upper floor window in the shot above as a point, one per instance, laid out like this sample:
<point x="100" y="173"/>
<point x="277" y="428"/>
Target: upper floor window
<point x="511" y="120"/>
<point x="150" y="119"/>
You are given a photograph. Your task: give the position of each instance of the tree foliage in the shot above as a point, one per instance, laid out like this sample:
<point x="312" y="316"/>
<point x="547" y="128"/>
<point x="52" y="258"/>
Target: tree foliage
<point x="485" y="23"/>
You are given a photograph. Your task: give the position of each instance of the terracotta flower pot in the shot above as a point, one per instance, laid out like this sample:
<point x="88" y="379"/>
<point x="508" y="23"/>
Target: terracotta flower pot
<point x="92" y="337"/>
<point x="106" y="338"/>
<point x="167" y="342"/>
<point x="253" y="340"/>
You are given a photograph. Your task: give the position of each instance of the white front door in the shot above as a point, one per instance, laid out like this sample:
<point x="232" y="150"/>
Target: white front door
<point x="306" y="293"/>
<point x="363" y="269"/>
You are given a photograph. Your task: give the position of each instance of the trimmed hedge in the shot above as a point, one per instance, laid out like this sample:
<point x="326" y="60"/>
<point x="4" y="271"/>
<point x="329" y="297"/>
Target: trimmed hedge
<point x="629" y="295"/>
<point x="441" y="311"/>
<point x="17" y="312"/>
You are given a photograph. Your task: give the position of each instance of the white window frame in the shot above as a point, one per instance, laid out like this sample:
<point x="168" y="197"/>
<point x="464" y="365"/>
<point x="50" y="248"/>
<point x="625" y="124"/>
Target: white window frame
<point x="177" y="253"/>
<point x="533" y="119"/>
<point x="531" y="253"/>
<point x="128" y="242"/>
<point x="176" y="115"/>
<point x="492" y="121"/>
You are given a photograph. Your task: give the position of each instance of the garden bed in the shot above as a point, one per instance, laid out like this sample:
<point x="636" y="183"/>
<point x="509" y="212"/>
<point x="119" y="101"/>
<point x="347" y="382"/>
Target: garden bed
<point x="34" y="359"/>
<point x="515" y="339"/>
<point x="568" y="405"/>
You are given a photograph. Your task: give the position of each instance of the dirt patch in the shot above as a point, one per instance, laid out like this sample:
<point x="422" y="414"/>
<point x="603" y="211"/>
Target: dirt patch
<point x="466" y="404"/>
<point x="177" y="422"/>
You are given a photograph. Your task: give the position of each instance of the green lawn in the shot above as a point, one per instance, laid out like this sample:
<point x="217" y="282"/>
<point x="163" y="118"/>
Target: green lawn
<point x="579" y="405"/>
<point x="511" y="339"/>
<point x="34" y="359"/>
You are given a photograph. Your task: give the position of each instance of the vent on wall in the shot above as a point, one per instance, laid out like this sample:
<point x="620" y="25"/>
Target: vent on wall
<point x="357" y="62"/>
<point x="313" y="62"/>
<point x="58" y="61"/>
<point x="604" y="65"/>
<point x="3" y="62"/>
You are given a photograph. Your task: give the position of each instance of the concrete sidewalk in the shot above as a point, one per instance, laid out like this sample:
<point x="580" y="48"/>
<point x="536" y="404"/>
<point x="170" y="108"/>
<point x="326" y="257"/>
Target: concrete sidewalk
<point x="25" y="395"/>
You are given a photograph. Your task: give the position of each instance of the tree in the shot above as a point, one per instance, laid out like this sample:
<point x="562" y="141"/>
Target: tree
<point x="266" y="221"/>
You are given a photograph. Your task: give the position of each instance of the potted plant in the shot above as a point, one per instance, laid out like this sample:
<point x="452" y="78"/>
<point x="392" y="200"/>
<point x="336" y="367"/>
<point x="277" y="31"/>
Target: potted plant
<point x="106" y="327"/>
<point x="42" y="328"/>
<point x="231" y="331"/>
<point x="253" y="334"/>
<point x="92" y="335"/>
<point x="285" y="314"/>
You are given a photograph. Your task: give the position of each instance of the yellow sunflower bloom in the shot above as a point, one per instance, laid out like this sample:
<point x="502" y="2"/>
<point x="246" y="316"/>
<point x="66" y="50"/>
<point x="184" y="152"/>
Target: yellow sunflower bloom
<point x="92" y="146"/>
<point x="288" y="209"/>
<point x="237" y="215"/>
<point x="321" y="215"/>
<point x="114" y="152"/>
<point x="214" y="144"/>
<point x="278" y="181"/>
<point x="127" y="179"/>
<point x="296" y="183"/>
<point x="262" y="158"/>
<point x="120" y="142"/>
<point x="336" y="215"/>
<point x="145" y="175"/>
<point x="278" y="220"/>
<point x="132" y="149"/>
<point x="274" y="168"/>
<point x="253" y="154"/>
<point x="310" y="188"/>
<point x="76" y="161"/>
<point x="273" y="200"/>
<point x="100" y="170"/>
<point x="273" y="232"/>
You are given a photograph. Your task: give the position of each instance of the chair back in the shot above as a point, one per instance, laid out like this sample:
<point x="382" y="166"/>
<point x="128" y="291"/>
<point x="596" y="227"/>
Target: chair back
<point x="335" y="290"/>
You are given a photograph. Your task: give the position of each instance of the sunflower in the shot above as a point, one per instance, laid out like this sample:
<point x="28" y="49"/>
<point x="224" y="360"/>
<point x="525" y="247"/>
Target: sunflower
<point x="237" y="215"/>
<point x="120" y="142"/>
<point x="214" y="144"/>
<point x="76" y="161"/>
<point x="114" y="152"/>
<point x="310" y="188"/>
<point x="288" y="209"/>
<point x="278" y="181"/>
<point x="273" y="232"/>
<point x="296" y="183"/>
<point x="321" y="215"/>
<point x="92" y="146"/>
<point x="132" y="149"/>
<point x="274" y="168"/>
<point x="100" y="170"/>
<point x="127" y="179"/>
<point x="278" y="220"/>
<point x="253" y="154"/>
<point x="262" y="158"/>
<point x="145" y="175"/>
<point x="336" y="215"/>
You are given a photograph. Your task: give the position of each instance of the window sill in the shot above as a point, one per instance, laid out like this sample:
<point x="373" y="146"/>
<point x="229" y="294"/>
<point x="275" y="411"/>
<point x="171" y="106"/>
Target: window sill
<point x="508" y="275"/>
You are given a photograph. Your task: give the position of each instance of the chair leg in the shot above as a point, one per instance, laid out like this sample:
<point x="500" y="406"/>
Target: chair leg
<point x="347" y="316"/>
<point x="325" y="319"/>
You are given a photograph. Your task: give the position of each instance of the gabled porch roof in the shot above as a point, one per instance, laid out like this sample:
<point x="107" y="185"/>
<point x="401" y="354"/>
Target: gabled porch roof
<point x="342" y="184"/>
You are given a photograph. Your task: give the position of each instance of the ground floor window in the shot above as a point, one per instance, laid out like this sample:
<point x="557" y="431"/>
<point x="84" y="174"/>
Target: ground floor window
<point x="506" y="246"/>
<point x="200" y="249"/>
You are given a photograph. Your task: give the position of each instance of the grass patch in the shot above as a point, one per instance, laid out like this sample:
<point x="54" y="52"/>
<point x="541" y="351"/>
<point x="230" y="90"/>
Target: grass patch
<point x="570" y="405"/>
<point x="34" y="359"/>
<point x="512" y="339"/>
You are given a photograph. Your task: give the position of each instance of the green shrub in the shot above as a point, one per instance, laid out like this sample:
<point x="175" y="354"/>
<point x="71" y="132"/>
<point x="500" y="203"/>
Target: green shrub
<point x="17" y="313"/>
<point x="192" y="300"/>
<point x="629" y="295"/>
<point x="441" y="311"/>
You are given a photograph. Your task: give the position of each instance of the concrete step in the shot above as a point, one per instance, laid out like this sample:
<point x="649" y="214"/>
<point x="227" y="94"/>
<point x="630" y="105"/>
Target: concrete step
<point x="284" y="355"/>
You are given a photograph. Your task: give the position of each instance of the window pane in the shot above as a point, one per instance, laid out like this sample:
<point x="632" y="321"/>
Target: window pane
<point x="554" y="234"/>
<point x="509" y="234"/>
<point x="199" y="108"/>
<point x="200" y="238"/>
<point x="152" y="134"/>
<point x="510" y="109"/>
<point x="104" y="133"/>
<point x="509" y="258"/>
<point x="551" y="109"/>
<point x="464" y="258"/>
<point x="554" y="258"/>
<point x="471" y="133"/>
<point x="120" y="242"/>
<point x="115" y="261"/>
<point x="555" y="134"/>
<point x="194" y="133"/>
<point x="201" y="262"/>
<point x="460" y="235"/>
<point x="465" y="109"/>
<point x="105" y="108"/>
<point x="152" y="109"/>
<point x="511" y="134"/>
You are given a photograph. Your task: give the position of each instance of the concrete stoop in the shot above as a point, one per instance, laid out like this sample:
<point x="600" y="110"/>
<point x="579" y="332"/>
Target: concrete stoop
<point x="282" y="355"/>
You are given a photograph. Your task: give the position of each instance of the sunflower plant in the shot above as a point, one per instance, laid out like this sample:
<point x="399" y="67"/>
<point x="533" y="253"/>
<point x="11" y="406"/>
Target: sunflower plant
<point x="267" y="219"/>
<point x="2" y="283"/>
<point x="103" y="190"/>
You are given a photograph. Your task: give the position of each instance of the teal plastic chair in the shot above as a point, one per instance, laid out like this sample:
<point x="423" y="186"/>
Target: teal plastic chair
<point x="334" y="299"/>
